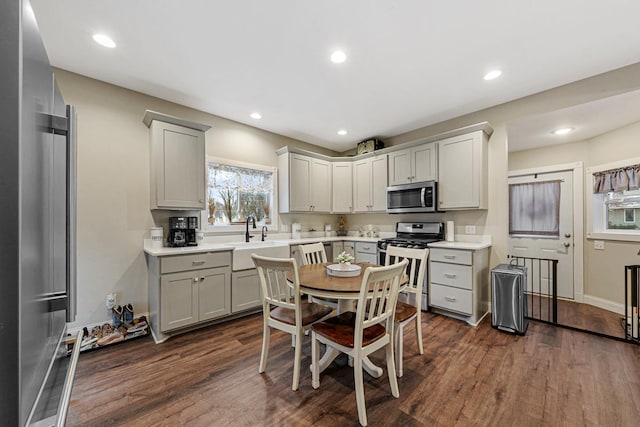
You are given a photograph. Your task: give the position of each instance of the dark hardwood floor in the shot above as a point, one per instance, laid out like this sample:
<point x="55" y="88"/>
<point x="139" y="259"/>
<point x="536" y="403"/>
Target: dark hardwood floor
<point x="578" y="315"/>
<point x="467" y="377"/>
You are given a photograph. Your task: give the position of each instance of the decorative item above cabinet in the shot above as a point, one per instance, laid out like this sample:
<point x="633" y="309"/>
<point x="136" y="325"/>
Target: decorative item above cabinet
<point x="177" y="162"/>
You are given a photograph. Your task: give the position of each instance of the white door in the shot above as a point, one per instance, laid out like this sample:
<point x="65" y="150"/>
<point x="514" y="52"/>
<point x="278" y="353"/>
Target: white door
<point x="554" y="245"/>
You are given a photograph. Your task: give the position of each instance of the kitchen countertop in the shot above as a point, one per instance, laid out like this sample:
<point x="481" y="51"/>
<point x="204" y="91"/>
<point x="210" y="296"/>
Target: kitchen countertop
<point x="229" y="246"/>
<point x="465" y="242"/>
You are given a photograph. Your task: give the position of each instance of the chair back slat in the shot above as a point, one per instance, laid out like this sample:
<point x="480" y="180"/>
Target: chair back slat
<point x="312" y="254"/>
<point x="378" y="296"/>
<point x="417" y="268"/>
<point x="276" y="289"/>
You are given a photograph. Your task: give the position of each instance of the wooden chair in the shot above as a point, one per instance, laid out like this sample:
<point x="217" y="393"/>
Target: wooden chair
<point x="314" y="254"/>
<point x="361" y="333"/>
<point x="288" y="314"/>
<point x="406" y="313"/>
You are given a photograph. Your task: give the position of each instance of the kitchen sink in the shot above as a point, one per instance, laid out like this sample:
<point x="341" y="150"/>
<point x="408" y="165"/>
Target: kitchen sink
<point x="242" y="252"/>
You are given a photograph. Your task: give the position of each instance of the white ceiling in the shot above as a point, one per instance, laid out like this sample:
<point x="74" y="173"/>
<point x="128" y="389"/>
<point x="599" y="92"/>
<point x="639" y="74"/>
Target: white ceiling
<point x="588" y="120"/>
<point x="410" y="63"/>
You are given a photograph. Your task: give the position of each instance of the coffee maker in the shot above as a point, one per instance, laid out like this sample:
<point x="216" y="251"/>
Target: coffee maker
<point x="182" y="231"/>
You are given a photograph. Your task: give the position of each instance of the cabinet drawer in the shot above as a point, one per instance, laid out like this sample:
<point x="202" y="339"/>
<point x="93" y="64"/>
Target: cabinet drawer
<point x="171" y="264"/>
<point x="451" y="255"/>
<point x="366" y="247"/>
<point x="449" y="298"/>
<point x="456" y="275"/>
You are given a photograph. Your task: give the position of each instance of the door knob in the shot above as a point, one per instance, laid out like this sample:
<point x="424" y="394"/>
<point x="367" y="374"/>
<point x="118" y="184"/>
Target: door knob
<point x="567" y="235"/>
<point x="567" y="244"/>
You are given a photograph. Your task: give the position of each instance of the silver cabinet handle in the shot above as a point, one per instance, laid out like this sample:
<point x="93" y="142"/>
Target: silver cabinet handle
<point x="567" y="244"/>
<point x="197" y="262"/>
<point x="450" y="275"/>
<point x="450" y="256"/>
<point x="196" y="280"/>
<point x="450" y="299"/>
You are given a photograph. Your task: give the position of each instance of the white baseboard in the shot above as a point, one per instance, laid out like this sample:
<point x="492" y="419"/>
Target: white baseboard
<point x="604" y="304"/>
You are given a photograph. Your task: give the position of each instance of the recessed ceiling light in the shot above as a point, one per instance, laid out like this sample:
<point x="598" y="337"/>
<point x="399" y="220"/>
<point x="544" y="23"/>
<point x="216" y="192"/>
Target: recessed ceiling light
<point x="562" y="131"/>
<point x="105" y="41"/>
<point x="256" y="116"/>
<point x="493" y="74"/>
<point x="338" y="57"/>
<point x="342" y="132"/>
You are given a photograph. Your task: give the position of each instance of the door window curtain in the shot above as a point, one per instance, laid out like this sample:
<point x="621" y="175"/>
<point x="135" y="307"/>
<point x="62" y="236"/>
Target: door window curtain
<point x="534" y="208"/>
<point x="627" y="178"/>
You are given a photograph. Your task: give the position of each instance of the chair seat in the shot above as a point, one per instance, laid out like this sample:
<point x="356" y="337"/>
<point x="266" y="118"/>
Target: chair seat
<point x="404" y="311"/>
<point x="340" y="329"/>
<point x="310" y="312"/>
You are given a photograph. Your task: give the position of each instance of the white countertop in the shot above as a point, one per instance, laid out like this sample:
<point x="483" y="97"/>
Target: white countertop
<point x="229" y="246"/>
<point x="466" y="242"/>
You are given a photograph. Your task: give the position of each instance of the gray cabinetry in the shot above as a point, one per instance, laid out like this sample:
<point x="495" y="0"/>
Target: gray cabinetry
<point x="245" y="290"/>
<point x="463" y="172"/>
<point x="186" y="290"/>
<point x="366" y="252"/>
<point x="177" y="162"/>
<point x="458" y="282"/>
<point x="304" y="183"/>
<point x="413" y="164"/>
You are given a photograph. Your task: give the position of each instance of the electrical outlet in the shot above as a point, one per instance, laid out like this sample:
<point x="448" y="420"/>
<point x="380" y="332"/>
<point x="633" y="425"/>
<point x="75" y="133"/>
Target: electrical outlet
<point x="470" y="229"/>
<point x="598" y="244"/>
<point x="111" y="300"/>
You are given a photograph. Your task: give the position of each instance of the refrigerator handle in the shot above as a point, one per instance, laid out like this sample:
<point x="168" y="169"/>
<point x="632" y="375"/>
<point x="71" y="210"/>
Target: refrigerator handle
<point x="71" y="215"/>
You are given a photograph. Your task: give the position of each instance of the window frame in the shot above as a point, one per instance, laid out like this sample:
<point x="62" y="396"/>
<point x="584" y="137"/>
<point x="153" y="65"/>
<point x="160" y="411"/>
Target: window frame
<point x="597" y="227"/>
<point x="236" y="228"/>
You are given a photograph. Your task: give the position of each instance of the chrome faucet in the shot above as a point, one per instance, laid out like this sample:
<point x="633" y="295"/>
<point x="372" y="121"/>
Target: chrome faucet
<point x="246" y="235"/>
<point x="264" y="232"/>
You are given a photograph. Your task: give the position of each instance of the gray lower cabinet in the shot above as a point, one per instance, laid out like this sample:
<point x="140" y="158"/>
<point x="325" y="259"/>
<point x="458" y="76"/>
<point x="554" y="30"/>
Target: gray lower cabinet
<point x="185" y="290"/>
<point x="245" y="290"/>
<point x="458" y="284"/>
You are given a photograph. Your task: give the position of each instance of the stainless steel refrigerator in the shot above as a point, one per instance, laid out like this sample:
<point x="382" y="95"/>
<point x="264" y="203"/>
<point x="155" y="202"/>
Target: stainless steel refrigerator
<point x="37" y="227"/>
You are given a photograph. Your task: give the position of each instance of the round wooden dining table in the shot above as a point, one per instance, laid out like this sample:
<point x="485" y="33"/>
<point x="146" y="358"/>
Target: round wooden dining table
<point x="315" y="281"/>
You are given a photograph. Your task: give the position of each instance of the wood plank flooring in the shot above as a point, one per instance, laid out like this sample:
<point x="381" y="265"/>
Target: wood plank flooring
<point x="467" y="377"/>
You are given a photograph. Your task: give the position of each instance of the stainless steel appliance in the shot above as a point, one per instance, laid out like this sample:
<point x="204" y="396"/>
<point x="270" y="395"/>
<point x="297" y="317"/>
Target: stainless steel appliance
<point x="182" y="231"/>
<point x="414" y="197"/>
<point x="413" y="235"/>
<point x="508" y="300"/>
<point x="38" y="249"/>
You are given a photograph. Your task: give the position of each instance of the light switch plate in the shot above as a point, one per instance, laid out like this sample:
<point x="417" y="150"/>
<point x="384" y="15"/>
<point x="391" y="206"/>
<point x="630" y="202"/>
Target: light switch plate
<point x="470" y="229"/>
<point x="598" y="244"/>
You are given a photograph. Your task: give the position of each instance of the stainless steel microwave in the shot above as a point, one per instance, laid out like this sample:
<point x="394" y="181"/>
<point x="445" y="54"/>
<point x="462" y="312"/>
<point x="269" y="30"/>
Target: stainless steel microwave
<point x="414" y="197"/>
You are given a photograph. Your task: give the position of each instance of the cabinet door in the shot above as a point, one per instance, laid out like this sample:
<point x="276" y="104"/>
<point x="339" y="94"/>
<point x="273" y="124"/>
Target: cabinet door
<point x="424" y="162"/>
<point x="350" y="248"/>
<point x="462" y="174"/>
<point x="320" y="185"/>
<point x="337" y="248"/>
<point x="400" y="167"/>
<point x="342" y="197"/>
<point x="378" y="183"/>
<point x="214" y="293"/>
<point x="245" y="290"/>
<point x="361" y="185"/>
<point x="178" y="300"/>
<point x="299" y="183"/>
<point x="178" y="167"/>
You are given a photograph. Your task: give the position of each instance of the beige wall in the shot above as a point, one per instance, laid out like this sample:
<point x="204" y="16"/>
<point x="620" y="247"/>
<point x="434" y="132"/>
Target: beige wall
<point x="113" y="174"/>
<point x="113" y="184"/>
<point x="603" y="269"/>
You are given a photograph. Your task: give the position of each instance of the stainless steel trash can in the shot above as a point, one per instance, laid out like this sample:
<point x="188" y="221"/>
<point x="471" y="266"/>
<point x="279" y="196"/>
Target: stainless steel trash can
<point x="508" y="301"/>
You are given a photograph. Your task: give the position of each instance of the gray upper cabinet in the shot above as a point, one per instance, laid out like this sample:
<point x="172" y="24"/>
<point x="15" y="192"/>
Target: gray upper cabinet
<point x="413" y="164"/>
<point x="177" y="162"/>
<point x="463" y="172"/>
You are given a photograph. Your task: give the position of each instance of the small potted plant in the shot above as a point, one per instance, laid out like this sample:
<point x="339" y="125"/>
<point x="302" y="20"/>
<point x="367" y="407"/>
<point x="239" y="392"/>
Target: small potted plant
<point x="345" y="258"/>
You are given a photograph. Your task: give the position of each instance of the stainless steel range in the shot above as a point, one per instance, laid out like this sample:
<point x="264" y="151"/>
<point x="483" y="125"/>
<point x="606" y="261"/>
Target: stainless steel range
<point x="413" y="235"/>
